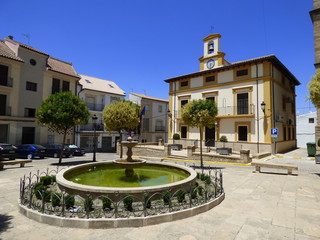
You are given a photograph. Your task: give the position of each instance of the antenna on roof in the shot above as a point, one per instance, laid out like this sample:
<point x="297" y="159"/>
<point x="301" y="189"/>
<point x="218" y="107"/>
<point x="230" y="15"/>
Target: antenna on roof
<point x="145" y="92"/>
<point x="27" y="35"/>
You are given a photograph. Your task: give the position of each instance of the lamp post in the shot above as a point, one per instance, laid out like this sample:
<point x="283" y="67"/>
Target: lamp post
<point x="263" y="106"/>
<point x="94" y="120"/>
<point x="215" y="132"/>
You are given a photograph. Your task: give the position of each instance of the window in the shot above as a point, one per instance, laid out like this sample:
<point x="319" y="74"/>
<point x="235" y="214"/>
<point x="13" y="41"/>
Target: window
<point x="284" y="103"/>
<point x="160" y="108"/>
<point x="114" y="99"/>
<point x="289" y="133"/>
<point x="88" y="81"/>
<point x="4" y="75"/>
<point x="284" y="133"/>
<point x="242" y="72"/>
<point x="55" y="86"/>
<point x="183" y="102"/>
<point x="242" y="103"/>
<point x="211" y="98"/>
<point x="210" y="79"/>
<point x="31" y="86"/>
<point x="4" y="131"/>
<point x="311" y="120"/>
<point x="243" y="133"/>
<point x="3" y="105"/>
<point x="145" y="122"/>
<point x="33" y="62"/>
<point x="184" y="131"/>
<point x="184" y="84"/>
<point x="111" y="86"/>
<point x="65" y="86"/>
<point x="29" y="112"/>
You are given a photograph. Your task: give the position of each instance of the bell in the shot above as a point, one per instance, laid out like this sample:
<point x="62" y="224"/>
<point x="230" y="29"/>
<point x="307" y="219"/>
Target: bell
<point x="210" y="47"/>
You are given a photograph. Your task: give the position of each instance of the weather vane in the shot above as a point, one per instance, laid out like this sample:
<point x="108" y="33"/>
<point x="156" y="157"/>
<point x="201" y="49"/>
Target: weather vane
<point x="211" y="29"/>
<point x="27" y="35"/>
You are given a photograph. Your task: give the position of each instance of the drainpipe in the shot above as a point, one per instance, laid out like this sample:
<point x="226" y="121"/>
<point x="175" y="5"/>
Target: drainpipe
<point x="273" y="111"/>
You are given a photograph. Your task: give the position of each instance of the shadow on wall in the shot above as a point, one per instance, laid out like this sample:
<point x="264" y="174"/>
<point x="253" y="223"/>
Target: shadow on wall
<point x="5" y="221"/>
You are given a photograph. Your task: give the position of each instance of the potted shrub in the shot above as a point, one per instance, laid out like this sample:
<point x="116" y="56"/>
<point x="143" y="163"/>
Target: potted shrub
<point x="317" y="156"/>
<point x="224" y="150"/>
<point x="176" y="136"/>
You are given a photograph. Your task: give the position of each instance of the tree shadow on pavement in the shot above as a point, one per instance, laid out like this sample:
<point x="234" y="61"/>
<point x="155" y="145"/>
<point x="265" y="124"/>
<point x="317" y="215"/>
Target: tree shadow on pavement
<point x="5" y="221"/>
<point x="73" y="163"/>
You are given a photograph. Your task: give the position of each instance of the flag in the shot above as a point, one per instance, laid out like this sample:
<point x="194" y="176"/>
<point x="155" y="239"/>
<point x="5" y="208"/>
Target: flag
<point x="143" y="112"/>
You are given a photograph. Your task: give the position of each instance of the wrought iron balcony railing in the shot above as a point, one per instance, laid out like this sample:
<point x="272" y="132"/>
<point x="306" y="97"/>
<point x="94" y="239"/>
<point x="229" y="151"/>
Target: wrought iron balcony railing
<point x="95" y="107"/>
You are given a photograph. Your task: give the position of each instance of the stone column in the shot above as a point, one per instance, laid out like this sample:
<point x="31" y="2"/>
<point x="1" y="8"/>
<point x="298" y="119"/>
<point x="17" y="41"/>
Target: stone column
<point x="245" y="155"/>
<point x="190" y="151"/>
<point x="167" y="149"/>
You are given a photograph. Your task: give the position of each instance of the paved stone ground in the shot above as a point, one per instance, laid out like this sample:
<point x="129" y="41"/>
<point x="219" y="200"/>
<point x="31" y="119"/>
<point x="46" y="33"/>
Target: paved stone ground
<point x="269" y="205"/>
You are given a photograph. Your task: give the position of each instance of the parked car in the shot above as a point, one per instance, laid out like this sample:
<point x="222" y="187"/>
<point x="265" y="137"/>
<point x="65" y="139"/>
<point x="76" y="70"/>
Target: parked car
<point x="31" y="151"/>
<point x="8" y="151"/>
<point x="53" y="150"/>
<point x="76" y="150"/>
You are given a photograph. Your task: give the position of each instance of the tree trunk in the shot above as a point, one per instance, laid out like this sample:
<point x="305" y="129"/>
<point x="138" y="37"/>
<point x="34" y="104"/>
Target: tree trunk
<point x="120" y="141"/>
<point x="201" y="160"/>
<point x="62" y="147"/>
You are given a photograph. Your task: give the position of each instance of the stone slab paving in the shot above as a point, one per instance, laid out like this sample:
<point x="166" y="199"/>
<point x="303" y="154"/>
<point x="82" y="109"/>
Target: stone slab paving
<point x="257" y="206"/>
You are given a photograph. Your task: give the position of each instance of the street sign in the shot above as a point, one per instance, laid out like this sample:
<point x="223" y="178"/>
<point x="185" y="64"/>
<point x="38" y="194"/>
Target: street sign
<point x="274" y="132"/>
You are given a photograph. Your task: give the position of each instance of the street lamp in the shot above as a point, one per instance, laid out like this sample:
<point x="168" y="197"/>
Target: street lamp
<point x="263" y="106"/>
<point x="94" y="120"/>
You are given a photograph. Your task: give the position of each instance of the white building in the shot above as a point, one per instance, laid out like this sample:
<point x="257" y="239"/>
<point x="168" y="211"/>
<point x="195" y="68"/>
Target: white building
<point x="306" y="129"/>
<point x="97" y="93"/>
<point x="154" y="121"/>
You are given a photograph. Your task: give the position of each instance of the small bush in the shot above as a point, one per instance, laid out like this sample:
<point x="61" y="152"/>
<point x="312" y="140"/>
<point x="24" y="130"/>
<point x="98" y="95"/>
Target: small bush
<point x="194" y="192"/>
<point x="166" y="197"/>
<point x="176" y="136"/>
<point x="38" y="189"/>
<point x="69" y="201"/>
<point x="88" y="204"/>
<point x="56" y="199"/>
<point x="46" y="180"/>
<point x="53" y="178"/>
<point x="147" y="201"/>
<point x="46" y="195"/>
<point x="106" y="203"/>
<point x="200" y="191"/>
<point x="127" y="201"/>
<point x="223" y="139"/>
<point x="181" y="196"/>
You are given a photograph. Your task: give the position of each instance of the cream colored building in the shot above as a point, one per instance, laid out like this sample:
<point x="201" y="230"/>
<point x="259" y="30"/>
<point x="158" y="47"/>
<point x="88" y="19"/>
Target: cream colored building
<point x="97" y="93"/>
<point x="27" y="77"/>
<point x="315" y="17"/>
<point x="154" y="119"/>
<point x="240" y="90"/>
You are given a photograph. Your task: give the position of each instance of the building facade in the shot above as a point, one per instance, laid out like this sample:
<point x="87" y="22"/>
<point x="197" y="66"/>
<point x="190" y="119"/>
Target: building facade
<point x="252" y="96"/>
<point x="27" y="77"/>
<point x="315" y="17"/>
<point x="154" y="118"/>
<point x="305" y="128"/>
<point x="97" y="93"/>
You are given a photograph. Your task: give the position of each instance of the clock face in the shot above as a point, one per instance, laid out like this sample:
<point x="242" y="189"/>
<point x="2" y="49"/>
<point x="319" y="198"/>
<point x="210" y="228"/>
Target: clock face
<point x="210" y="64"/>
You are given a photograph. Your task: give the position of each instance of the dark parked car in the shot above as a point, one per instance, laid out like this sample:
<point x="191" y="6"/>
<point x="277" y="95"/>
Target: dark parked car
<point x="8" y="151"/>
<point x="53" y="150"/>
<point x="31" y="150"/>
<point x="76" y="150"/>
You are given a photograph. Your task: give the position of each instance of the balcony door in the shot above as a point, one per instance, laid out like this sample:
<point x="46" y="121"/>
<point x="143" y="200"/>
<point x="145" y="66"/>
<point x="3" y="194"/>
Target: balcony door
<point x="243" y="103"/>
<point x="210" y="136"/>
<point x="3" y="105"/>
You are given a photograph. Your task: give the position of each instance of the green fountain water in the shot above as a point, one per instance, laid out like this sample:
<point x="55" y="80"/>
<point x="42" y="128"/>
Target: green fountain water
<point x="113" y="176"/>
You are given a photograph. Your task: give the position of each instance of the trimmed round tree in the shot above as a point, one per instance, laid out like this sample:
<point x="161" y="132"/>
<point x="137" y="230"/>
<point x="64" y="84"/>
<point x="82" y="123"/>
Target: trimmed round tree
<point x="200" y="113"/>
<point x="62" y="111"/>
<point x="314" y="89"/>
<point x="122" y="115"/>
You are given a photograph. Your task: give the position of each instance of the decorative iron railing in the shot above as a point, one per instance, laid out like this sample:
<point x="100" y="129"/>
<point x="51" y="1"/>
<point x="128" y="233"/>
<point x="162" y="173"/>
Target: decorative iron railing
<point x="52" y="201"/>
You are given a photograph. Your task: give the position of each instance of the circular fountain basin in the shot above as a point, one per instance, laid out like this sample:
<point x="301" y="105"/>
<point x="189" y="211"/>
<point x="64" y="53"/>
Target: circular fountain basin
<point x="175" y="177"/>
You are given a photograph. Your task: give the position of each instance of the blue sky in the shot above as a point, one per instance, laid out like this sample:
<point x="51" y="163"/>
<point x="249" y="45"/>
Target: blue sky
<point x="139" y="43"/>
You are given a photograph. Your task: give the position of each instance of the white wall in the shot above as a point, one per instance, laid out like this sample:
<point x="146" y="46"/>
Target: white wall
<point x="306" y="130"/>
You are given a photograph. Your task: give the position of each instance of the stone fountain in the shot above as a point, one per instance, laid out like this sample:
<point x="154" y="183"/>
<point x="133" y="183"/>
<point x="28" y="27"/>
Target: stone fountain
<point x="129" y="164"/>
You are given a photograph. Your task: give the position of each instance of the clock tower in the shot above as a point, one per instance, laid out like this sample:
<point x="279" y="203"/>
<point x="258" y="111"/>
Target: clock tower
<point x="212" y="57"/>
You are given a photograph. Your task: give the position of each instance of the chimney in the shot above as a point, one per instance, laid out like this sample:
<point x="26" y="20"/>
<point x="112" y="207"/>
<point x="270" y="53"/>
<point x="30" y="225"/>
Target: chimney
<point x="10" y="37"/>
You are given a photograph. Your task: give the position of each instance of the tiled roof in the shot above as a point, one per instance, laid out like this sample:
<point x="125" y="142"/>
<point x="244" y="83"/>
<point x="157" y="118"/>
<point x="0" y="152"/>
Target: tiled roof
<point x="6" y="52"/>
<point x="101" y="85"/>
<point x="151" y="98"/>
<point x="271" y="58"/>
<point x="57" y="65"/>
<point x="26" y="46"/>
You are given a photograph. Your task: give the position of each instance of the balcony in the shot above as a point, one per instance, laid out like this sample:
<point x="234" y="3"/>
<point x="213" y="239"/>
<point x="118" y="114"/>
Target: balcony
<point x="229" y="111"/>
<point x="6" y="111"/>
<point x="90" y="127"/>
<point x="7" y="82"/>
<point x="95" y="107"/>
<point x="160" y="128"/>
